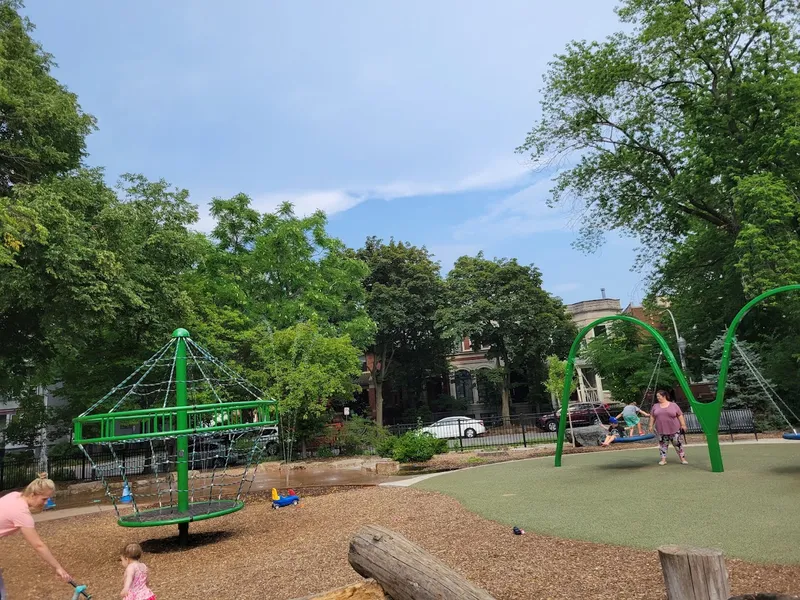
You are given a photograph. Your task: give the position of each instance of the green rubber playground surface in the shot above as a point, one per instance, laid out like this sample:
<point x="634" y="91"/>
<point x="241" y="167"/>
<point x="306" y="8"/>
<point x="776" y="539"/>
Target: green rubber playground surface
<point x="751" y="511"/>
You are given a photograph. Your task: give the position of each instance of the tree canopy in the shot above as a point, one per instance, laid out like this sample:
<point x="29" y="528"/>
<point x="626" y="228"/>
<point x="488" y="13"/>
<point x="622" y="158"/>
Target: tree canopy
<point x="626" y="358"/>
<point x="404" y="291"/>
<point x="501" y="304"/>
<point x="683" y="133"/>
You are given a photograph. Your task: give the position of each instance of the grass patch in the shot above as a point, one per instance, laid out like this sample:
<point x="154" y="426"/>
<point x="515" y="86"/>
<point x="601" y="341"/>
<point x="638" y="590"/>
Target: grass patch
<point x="749" y="511"/>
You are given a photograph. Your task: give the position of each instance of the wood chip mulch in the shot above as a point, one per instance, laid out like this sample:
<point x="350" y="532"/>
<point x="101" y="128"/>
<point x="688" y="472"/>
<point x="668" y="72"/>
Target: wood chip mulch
<point x="263" y="554"/>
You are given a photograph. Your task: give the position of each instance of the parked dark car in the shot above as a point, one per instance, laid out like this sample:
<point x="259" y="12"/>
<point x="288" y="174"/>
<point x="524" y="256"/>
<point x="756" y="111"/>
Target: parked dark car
<point x="581" y="414"/>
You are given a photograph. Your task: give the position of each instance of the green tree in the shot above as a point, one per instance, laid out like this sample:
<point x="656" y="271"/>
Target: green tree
<point x="283" y="302"/>
<point x="94" y="296"/>
<point x="308" y="370"/>
<point x="688" y="120"/>
<point x="682" y="132"/>
<point x="625" y="358"/>
<point x="556" y="372"/>
<point x="29" y="422"/>
<point x="404" y="291"/>
<point x="42" y="128"/>
<point x="490" y="385"/>
<point x="501" y="304"/>
<point x="742" y="388"/>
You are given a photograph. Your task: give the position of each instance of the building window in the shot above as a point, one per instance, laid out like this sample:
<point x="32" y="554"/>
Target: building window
<point x="463" y="380"/>
<point x="599" y="330"/>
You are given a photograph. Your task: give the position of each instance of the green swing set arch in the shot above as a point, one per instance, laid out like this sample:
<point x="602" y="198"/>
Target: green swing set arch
<point x="708" y="413"/>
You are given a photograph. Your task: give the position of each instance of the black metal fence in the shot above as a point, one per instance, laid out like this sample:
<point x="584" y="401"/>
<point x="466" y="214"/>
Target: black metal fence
<point x="464" y="434"/>
<point x="18" y="468"/>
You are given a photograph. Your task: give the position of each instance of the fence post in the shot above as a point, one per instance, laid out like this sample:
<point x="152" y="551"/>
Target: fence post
<point x="694" y="573"/>
<point x="460" y="439"/>
<point x="524" y="441"/>
<point x="83" y="466"/>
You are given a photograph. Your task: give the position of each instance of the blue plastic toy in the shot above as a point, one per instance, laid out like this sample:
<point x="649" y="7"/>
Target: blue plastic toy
<point x="126" y="494"/>
<point x="49" y="504"/>
<point x="79" y="589"/>
<point x="279" y="501"/>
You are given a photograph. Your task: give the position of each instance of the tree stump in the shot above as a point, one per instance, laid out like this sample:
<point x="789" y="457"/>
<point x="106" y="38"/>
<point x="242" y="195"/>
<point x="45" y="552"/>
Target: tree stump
<point x="694" y="573"/>
<point x="406" y="571"/>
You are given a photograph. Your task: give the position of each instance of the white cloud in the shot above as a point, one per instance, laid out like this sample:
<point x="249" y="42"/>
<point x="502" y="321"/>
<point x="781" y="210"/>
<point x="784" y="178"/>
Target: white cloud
<point x="305" y="203"/>
<point x="498" y="175"/>
<point x="522" y="213"/>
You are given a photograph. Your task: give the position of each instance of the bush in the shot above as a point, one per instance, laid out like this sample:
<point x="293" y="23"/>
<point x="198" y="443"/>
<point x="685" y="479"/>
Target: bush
<point x="385" y="446"/>
<point x="244" y="444"/>
<point x="62" y="474"/>
<point x="64" y="450"/>
<point x="324" y="452"/>
<point x="414" y="446"/>
<point x="360" y="436"/>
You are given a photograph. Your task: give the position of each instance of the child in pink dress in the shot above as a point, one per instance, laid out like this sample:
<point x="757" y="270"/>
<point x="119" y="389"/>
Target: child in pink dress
<point x="136" y="582"/>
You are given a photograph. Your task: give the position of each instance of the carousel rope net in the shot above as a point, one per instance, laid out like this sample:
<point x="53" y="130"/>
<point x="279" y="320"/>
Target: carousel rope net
<point x="180" y="439"/>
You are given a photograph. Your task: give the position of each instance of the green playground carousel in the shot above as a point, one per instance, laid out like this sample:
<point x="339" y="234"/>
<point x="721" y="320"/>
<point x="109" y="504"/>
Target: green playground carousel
<point x="179" y="439"/>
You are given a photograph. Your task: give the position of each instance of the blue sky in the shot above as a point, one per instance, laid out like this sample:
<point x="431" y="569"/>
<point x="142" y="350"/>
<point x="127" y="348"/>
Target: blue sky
<point x="399" y="119"/>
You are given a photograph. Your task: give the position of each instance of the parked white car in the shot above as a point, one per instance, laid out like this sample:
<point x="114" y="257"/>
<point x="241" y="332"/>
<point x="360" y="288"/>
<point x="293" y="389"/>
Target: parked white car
<point x="453" y="427"/>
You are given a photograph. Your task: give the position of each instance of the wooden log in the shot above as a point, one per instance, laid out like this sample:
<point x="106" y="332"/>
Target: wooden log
<point x="694" y="573"/>
<point x="765" y="597"/>
<point x="404" y="570"/>
<point x="365" y="590"/>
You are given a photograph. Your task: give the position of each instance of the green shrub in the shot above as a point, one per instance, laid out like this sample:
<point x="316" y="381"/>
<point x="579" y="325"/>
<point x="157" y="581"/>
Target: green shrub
<point x="62" y="474"/>
<point x="414" y="446"/>
<point x="64" y="450"/>
<point x="385" y="446"/>
<point x="244" y="444"/>
<point x="360" y="436"/>
<point x="324" y="452"/>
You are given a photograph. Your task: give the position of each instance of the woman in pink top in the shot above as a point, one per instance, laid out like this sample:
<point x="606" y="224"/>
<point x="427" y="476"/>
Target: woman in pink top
<point x="667" y="419"/>
<point x="15" y="515"/>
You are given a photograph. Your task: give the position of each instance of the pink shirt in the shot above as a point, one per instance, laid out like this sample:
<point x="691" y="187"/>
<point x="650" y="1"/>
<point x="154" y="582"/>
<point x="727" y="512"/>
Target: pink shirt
<point x="666" y="419"/>
<point x="139" y="589"/>
<point x="14" y="514"/>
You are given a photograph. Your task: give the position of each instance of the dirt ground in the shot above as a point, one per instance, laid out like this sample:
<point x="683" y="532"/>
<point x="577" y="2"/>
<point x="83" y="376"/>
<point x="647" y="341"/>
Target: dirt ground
<point x="263" y="554"/>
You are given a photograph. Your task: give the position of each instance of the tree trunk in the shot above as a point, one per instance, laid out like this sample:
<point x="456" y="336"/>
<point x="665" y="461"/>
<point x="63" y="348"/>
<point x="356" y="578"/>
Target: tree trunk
<point x="694" y="573"/>
<point x="379" y="403"/>
<point x="406" y="571"/>
<point x="506" y="395"/>
<point x="366" y="590"/>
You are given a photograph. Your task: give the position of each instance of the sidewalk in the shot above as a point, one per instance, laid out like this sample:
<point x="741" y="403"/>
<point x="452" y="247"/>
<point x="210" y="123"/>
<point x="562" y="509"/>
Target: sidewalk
<point x="64" y="513"/>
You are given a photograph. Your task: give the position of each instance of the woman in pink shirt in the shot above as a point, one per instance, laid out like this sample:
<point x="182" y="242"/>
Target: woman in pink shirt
<point x="15" y="515"/>
<point x="667" y="419"/>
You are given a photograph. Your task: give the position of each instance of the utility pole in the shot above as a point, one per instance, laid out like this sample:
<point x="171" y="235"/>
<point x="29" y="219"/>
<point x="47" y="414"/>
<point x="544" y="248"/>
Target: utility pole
<point x="681" y="343"/>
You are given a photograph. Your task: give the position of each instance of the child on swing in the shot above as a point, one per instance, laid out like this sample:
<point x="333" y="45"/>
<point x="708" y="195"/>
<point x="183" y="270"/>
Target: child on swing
<point x="631" y="414"/>
<point x="614" y="431"/>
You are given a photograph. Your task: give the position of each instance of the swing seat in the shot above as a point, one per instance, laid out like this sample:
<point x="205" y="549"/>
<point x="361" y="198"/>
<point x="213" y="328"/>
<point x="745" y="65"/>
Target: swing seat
<point x="634" y="438"/>
<point x="791" y="436"/>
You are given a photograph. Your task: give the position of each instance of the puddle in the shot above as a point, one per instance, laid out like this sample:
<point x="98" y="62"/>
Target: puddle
<point x="265" y="480"/>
